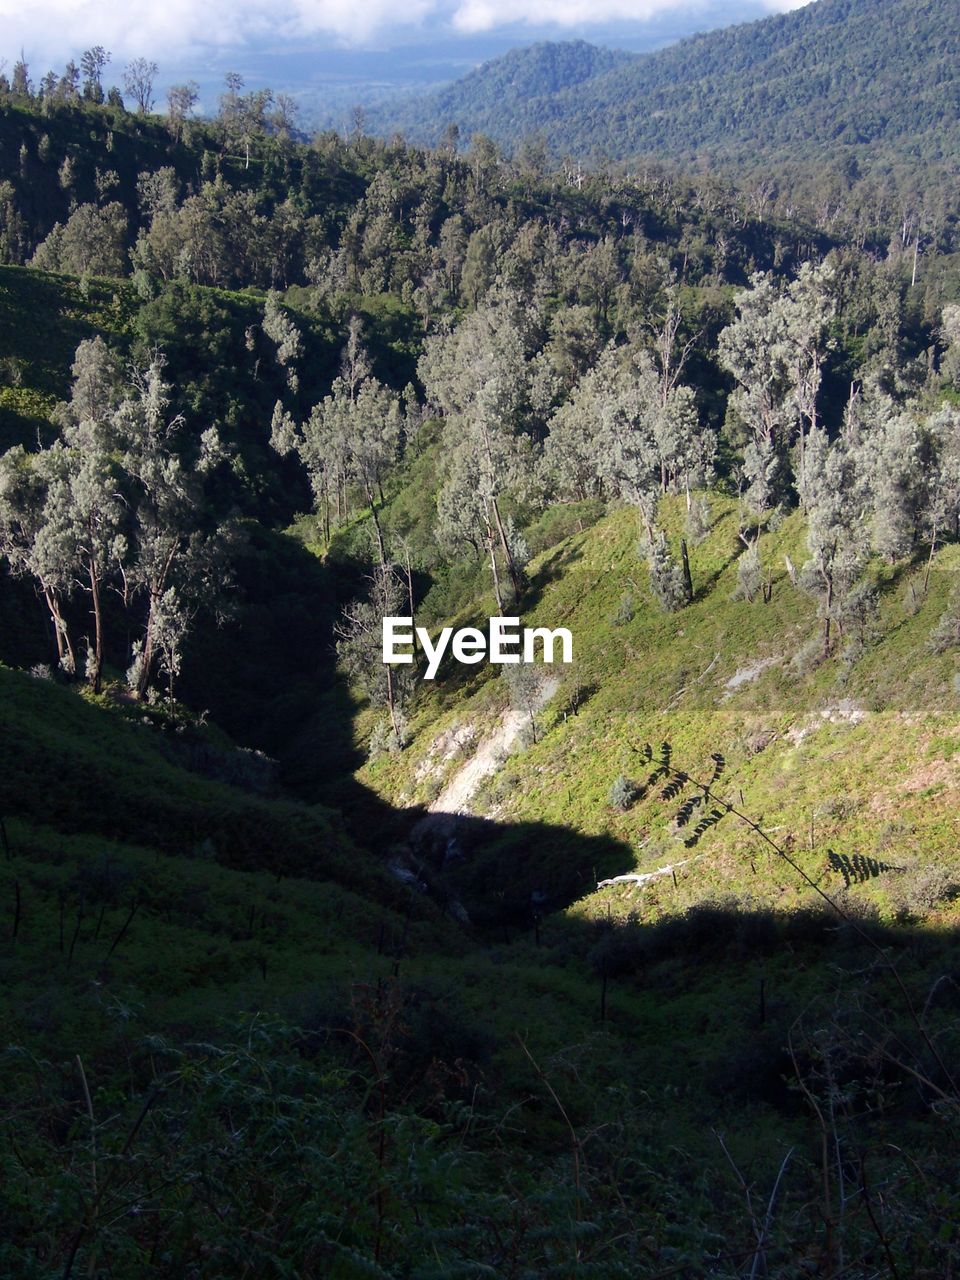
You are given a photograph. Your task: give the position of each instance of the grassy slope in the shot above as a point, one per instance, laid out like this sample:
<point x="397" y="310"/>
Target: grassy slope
<point x="863" y="760"/>
<point x="101" y="812"/>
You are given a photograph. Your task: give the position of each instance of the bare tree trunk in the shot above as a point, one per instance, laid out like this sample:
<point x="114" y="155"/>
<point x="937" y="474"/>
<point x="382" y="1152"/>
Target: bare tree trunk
<point x="409" y="570"/>
<point x="392" y="703"/>
<point x="381" y="549"/>
<point x="507" y="553"/>
<point x="493" y="565"/>
<point x="933" y="547"/>
<point x="66" y="656"/>
<point x="826" y="620"/>
<point x="687" y="577"/>
<point x="94" y="577"/>
<point x="146" y="657"/>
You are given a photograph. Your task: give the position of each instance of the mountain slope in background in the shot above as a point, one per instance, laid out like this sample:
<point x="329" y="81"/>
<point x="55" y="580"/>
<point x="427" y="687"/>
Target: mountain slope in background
<point x="856" y="74"/>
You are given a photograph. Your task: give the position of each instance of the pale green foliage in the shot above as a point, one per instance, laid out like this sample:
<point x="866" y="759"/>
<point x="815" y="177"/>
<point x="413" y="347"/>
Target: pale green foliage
<point x="624" y="612"/>
<point x="24" y="543"/>
<point x="525" y="682"/>
<point x="752" y="349"/>
<point x="360" y="651"/>
<point x="749" y="575"/>
<point x="110" y="503"/>
<point x="942" y="471"/>
<point x="698" y="518"/>
<point x="622" y="429"/>
<point x="158" y="191"/>
<point x="946" y="634"/>
<point x="890" y="449"/>
<point x="175" y="566"/>
<point x="666" y="576"/>
<point x="352" y="436"/>
<point x="834" y="496"/>
<point x="481" y="378"/>
<point x="775" y="350"/>
<point x="281" y="330"/>
<point x="622" y="793"/>
<point x="950" y="331"/>
<point x="91" y="242"/>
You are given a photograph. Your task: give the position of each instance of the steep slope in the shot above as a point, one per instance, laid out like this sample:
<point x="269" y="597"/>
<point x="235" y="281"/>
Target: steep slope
<point x="863" y="75"/>
<point x="859" y="754"/>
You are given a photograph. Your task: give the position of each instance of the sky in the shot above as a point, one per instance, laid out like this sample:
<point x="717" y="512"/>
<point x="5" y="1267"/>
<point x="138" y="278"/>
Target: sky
<point x="332" y="55"/>
<point x="52" y="30"/>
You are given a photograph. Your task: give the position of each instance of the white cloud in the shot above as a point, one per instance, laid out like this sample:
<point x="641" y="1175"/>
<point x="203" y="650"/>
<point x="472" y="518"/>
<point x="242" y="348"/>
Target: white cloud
<point x="473" y="16"/>
<point x="53" y="30"/>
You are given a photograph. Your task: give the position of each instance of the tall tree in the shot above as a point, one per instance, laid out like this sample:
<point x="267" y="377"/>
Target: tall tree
<point x="139" y="77"/>
<point x="175" y="562"/>
<point x="24" y="480"/>
<point x="752" y="349"/>
<point x="481" y="378"/>
<point x="93" y="63"/>
<point x="835" y="499"/>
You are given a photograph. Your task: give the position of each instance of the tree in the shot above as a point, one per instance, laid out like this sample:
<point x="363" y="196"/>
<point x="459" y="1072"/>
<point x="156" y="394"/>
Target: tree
<point x="481" y="379"/>
<point x="890" y="449"/>
<point x="351" y="436"/>
<point x="942" y="477"/>
<point x="91" y="242"/>
<point x="281" y="330"/>
<point x="92" y="64"/>
<point x="752" y="349"/>
<point x="834" y="497"/>
<point x="175" y="565"/>
<point x="809" y="306"/>
<point x="950" y="333"/>
<point x="68" y="88"/>
<point x="243" y="117"/>
<point x="360" y="649"/>
<point x="24" y="480"/>
<point x="138" y="80"/>
<point x="181" y="101"/>
<point x="85" y="511"/>
<point x="666" y="576"/>
<point x="20" y="79"/>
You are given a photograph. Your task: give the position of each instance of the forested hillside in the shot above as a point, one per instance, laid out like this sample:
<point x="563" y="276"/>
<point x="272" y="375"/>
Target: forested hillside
<point x="852" y="85"/>
<point x="642" y="966"/>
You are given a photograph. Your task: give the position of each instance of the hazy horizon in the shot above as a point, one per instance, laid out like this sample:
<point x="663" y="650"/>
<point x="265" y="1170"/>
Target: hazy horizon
<point x="331" y="56"/>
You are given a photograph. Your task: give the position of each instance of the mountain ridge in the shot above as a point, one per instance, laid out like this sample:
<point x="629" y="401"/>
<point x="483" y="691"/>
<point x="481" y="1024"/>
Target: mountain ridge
<point x="782" y="86"/>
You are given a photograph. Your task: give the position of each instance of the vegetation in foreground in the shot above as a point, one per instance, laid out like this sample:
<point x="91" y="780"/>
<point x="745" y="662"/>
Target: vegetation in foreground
<point x="267" y="1010"/>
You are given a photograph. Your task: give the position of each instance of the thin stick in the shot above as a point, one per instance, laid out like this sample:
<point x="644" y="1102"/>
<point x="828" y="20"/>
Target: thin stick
<point x="574" y="1139"/>
<point x="768" y="1216"/>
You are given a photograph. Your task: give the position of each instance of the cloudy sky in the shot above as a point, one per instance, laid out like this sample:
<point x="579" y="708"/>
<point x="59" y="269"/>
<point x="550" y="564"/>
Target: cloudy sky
<point x="51" y="30"/>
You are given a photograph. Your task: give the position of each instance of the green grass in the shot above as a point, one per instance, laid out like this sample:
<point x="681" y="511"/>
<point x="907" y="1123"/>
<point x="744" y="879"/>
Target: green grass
<point x="860" y="758"/>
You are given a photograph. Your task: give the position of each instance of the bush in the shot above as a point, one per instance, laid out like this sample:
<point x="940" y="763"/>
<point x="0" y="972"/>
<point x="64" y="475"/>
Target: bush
<point x="749" y="576"/>
<point x="666" y="576"/>
<point x="929" y="888"/>
<point x="807" y="658"/>
<point x="624" y="612"/>
<point x="623" y="792"/>
<point x="698" y="519"/>
<point x="946" y="634"/>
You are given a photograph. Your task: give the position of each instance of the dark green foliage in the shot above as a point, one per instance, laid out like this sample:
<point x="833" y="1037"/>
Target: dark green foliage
<point x="840" y="84"/>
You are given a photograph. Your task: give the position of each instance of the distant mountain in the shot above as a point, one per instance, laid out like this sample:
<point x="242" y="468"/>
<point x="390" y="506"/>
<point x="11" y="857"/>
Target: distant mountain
<point x="850" y="74"/>
<point x="527" y="79"/>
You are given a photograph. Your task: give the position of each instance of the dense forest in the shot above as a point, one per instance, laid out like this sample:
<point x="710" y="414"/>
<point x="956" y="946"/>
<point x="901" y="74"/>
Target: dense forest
<point x="840" y="107"/>
<point x="641" y="967"/>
